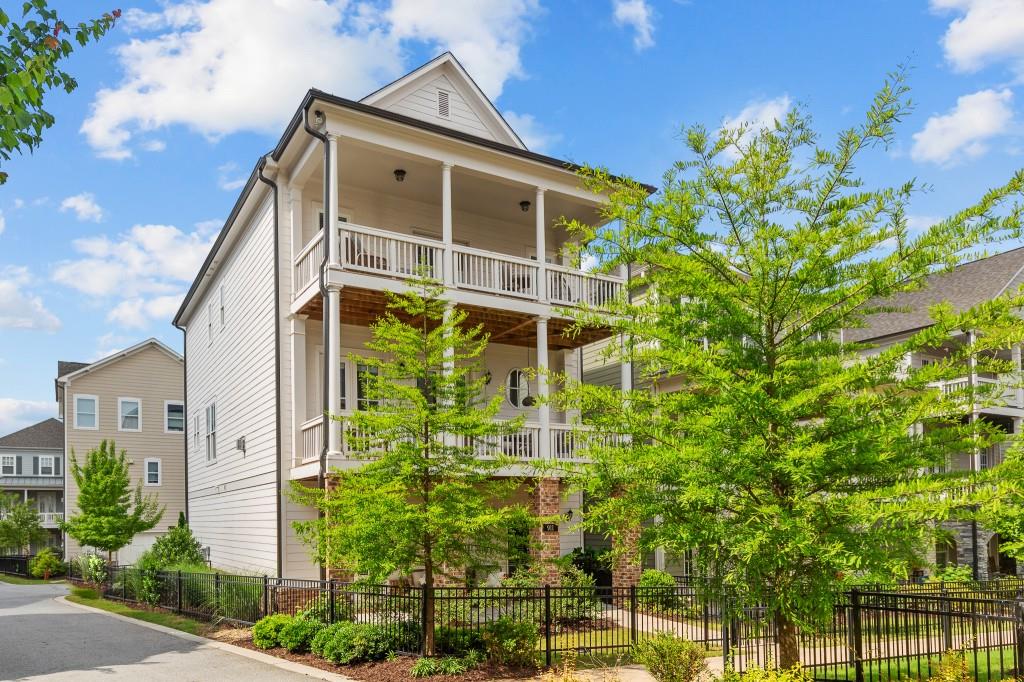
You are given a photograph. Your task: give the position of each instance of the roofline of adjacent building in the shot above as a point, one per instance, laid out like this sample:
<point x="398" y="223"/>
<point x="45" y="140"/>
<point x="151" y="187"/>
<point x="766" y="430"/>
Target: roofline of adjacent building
<point x="103" y="362"/>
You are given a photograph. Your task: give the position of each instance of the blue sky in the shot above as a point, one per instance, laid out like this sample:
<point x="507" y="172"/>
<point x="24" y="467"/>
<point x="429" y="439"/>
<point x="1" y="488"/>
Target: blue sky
<point x="104" y="226"/>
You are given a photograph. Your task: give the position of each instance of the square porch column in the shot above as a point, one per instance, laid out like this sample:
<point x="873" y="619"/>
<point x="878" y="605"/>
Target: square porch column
<point x="297" y="341"/>
<point x="447" y="235"/>
<point x="547" y="544"/>
<point x="543" y="390"/>
<point x="542" y="252"/>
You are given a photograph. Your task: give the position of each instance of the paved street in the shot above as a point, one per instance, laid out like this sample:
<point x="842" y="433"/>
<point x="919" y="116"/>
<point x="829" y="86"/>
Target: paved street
<point x="43" y="639"/>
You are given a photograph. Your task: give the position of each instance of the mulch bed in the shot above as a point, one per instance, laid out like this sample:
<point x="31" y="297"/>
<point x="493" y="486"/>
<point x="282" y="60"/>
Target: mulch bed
<point x="390" y="671"/>
<point x="586" y="625"/>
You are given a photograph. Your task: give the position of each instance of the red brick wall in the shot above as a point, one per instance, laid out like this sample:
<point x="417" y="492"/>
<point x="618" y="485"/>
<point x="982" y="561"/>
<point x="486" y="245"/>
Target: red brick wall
<point x="547" y="500"/>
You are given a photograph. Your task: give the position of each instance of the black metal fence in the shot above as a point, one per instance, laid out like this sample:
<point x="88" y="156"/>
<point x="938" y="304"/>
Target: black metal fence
<point x="876" y="632"/>
<point x="15" y="565"/>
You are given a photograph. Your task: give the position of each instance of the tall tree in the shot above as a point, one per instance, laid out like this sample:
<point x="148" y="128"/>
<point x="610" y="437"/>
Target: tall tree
<point x="19" y="524"/>
<point x="109" y="514"/>
<point x="426" y="495"/>
<point x="31" y="53"/>
<point x="788" y="458"/>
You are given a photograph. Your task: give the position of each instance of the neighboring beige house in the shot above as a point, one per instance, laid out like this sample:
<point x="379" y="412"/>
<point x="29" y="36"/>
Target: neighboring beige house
<point x="423" y="173"/>
<point x="136" y="399"/>
<point x="32" y="468"/>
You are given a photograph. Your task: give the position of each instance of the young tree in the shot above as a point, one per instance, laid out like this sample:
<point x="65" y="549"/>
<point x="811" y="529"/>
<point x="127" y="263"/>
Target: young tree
<point x="19" y="524"/>
<point x="109" y="513"/>
<point x="426" y="495"/>
<point x="30" y="54"/>
<point x="789" y="457"/>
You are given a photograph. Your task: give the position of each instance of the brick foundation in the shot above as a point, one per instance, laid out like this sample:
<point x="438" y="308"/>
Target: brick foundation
<point x="546" y="545"/>
<point x="626" y="567"/>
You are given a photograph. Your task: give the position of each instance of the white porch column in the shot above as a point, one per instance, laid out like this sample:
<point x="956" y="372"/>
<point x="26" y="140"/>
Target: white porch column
<point x="542" y="252"/>
<point x="542" y="387"/>
<point x="1018" y="390"/>
<point x="332" y="306"/>
<point x="972" y="379"/>
<point x="297" y="340"/>
<point x="295" y="217"/>
<point x="625" y="366"/>
<point x="447" y="237"/>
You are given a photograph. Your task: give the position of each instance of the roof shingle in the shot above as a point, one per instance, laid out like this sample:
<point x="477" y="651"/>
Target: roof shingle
<point x="46" y="434"/>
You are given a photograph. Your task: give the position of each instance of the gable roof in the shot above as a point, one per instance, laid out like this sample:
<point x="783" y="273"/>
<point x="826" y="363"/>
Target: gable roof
<point x="47" y="434"/>
<point x="66" y="367"/>
<point x="963" y="287"/>
<point x="416" y="93"/>
<point x="85" y="368"/>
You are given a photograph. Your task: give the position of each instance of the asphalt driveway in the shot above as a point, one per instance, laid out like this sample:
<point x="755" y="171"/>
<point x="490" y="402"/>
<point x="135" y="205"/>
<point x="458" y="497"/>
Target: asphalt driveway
<point x="44" y="639"/>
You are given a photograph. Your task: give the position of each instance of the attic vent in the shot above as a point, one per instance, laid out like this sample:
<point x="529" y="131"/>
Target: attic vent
<point x="442" y="104"/>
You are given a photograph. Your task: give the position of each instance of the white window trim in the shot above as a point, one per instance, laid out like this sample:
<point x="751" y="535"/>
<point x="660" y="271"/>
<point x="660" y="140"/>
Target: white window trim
<point x="53" y="465"/>
<point x="127" y="399"/>
<point x="159" y="472"/>
<point x="14" y="465"/>
<point x="96" y="403"/>
<point x="223" y="315"/>
<point x="508" y="387"/>
<point x="211" y="436"/>
<point x="184" y="419"/>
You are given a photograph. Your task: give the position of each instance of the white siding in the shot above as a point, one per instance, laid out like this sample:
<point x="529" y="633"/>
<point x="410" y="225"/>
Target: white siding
<point x="422" y="104"/>
<point x="233" y="501"/>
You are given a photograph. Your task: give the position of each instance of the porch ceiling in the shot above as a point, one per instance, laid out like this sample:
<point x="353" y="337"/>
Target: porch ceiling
<point x="363" y="306"/>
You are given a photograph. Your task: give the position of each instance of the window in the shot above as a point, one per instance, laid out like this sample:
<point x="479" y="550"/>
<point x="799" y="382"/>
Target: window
<point x="517" y="389"/>
<point x="7" y="465"/>
<point x="945" y="553"/>
<point x="86" y="412"/>
<point x="343" y="399"/>
<point x="152" y="471"/>
<point x="174" y="416"/>
<point x="129" y="414"/>
<point x="46" y="465"/>
<point x="222" y="316"/>
<point x="195" y="431"/>
<point x="362" y="373"/>
<point x="443" y="105"/>
<point x="211" y="432"/>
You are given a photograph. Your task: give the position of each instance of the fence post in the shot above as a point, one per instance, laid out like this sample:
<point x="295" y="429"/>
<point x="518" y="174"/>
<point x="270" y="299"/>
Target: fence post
<point x="178" y="600"/>
<point x="124" y="587"/>
<point x="330" y="601"/>
<point x="858" y="635"/>
<point x="723" y="610"/>
<point x="423" y="620"/>
<point x="947" y="622"/>
<point x="1018" y="639"/>
<point x="632" y="614"/>
<point x="216" y="591"/>
<point x="547" y="625"/>
<point x="266" y="595"/>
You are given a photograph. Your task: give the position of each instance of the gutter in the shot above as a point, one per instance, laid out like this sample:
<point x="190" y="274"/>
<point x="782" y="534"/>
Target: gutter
<point x="321" y="478"/>
<point x="277" y="360"/>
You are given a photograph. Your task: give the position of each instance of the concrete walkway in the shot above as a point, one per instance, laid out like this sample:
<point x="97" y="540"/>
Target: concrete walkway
<point x="44" y="638"/>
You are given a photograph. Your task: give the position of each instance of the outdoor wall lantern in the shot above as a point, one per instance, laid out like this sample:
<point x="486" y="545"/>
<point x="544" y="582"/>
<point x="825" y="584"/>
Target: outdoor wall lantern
<point x="399" y="175"/>
<point x="524" y="205"/>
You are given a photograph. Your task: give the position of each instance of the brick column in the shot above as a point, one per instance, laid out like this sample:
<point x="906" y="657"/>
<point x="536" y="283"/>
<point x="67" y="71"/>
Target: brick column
<point x="626" y="566"/>
<point x="546" y="545"/>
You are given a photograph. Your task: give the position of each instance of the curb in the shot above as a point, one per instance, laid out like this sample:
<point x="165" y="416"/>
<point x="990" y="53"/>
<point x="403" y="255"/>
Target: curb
<point x="280" y="663"/>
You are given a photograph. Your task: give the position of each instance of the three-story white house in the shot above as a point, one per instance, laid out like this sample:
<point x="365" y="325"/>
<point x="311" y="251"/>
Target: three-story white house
<point x="357" y="198"/>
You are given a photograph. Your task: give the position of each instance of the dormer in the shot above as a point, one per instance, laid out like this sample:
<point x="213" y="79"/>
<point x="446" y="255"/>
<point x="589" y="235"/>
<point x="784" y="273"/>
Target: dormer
<point x="443" y="93"/>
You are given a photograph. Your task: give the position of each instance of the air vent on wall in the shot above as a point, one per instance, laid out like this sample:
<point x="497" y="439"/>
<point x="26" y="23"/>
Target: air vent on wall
<point x="442" y="104"/>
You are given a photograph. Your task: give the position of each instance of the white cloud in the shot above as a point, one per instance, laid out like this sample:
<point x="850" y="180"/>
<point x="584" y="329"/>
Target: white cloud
<point x="84" y="206"/>
<point x="16" y="414"/>
<point x="918" y="224"/>
<point x="209" y="65"/>
<point x="987" y="32"/>
<point x="533" y="134"/>
<point x="963" y="132"/>
<point x="3" y="222"/>
<point x="639" y="16"/>
<point x="19" y="203"/>
<point x="153" y="146"/>
<point x="111" y="343"/>
<point x="757" y="115"/>
<point x="228" y="178"/>
<point x="143" y="273"/>
<point x="18" y="308"/>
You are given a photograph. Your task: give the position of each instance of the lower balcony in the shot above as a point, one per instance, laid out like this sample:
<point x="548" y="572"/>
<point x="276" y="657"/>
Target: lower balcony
<point x="567" y="442"/>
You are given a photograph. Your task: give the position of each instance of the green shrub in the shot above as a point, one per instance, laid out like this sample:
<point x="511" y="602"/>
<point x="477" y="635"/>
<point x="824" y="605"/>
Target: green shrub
<point x="46" y="564"/>
<point x="952" y="667"/>
<point x="671" y="659"/>
<point x="577" y="600"/>
<point x="297" y="635"/>
<point x="92" y="568"/>
<point x="953" y="574"/>
<point x="458" y="641"/>
<point x="238" y="597"/>
<point x="656" y="590"/>
<point x="448" y="665"/>
<point x="768" y="674"/>
<point x="347" y="642"/>
<point x="178" y="546"/>
<point x="142" y="581"/>
<point x="511" y="642"/>
<point x="266" y="632"/>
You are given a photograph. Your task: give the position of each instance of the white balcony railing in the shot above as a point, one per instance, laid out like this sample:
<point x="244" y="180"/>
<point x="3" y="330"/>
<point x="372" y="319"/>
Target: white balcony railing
<point x="392" y="254"/>
<point x="50" y="518"/>
<point x="567" y="441"/>
<point x="1010" y="395"/>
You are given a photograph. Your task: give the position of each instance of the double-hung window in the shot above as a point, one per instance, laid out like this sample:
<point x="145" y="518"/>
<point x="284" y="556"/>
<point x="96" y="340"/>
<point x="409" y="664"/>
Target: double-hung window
<point x="46" y="465"/>
<point x="7" y="465"/>
<point x="363" y="378"/>
<point x="211" y="432"/>
<point x="87" y="412"/>
<point x="153" y="472"/>
<point x="174" y="416"/>
<point x="129" y="414"/>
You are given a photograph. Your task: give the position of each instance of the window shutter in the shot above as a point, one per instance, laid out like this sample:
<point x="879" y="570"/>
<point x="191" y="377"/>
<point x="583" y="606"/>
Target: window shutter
<point x="17" y="465"/>
<point x="56" y="466"/>
<point x="35" y="466"/>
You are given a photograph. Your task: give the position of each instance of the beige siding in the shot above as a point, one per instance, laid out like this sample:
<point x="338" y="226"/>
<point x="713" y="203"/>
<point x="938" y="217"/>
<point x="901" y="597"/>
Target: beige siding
<point x="152" y="376"/>
<point x="233" y="500"/>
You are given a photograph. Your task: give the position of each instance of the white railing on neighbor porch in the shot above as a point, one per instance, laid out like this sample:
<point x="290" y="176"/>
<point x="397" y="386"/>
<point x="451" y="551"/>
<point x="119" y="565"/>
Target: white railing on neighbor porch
<point x="50" y="518"/>
<point x="961" y="384"/>
<point x="389" y="253"/>
<point x="392" y="254"/>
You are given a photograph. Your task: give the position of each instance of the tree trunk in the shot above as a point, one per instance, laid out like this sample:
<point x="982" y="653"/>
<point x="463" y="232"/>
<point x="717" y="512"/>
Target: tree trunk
<point x="789" y="641"/>
<point x="428" y="607"/>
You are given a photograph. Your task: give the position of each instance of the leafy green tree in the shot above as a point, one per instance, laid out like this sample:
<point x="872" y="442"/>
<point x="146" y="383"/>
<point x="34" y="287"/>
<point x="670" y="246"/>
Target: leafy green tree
<point x="426" y="495"/>
<point x="109" y="513"/>
<point x="179" y="546"/>
<point x="19" y="524"/>
<point x="789" y="457"/>
<point x="30" y="64"/>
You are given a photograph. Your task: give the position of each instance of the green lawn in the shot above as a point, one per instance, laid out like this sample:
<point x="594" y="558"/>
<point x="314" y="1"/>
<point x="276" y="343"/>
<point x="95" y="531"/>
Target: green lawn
<point x="18" y="580"/>
<point x="82" y="595"/>
<point x="587" y="644"/>
<point x="987" y="668"/>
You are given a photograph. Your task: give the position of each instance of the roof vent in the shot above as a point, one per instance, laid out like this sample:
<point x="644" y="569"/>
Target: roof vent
<point x="442" y="104"/>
